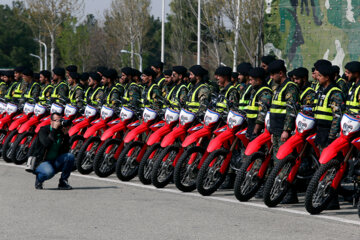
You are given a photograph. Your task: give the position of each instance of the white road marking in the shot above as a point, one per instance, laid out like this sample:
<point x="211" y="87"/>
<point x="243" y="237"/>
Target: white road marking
<point x="221" y="199"/>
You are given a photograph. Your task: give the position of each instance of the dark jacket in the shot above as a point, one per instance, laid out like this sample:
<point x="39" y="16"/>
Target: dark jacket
<point x="45" y="139"/>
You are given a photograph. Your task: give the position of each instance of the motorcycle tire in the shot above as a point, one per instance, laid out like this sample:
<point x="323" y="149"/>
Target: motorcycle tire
<point x="146" y="164"/>
<point x="127" y="166"/>
<point x="2" y="137"/>
<point x="85" y="159"/>
<point x="163" y="170"/>
<point x="320" y="184"/>
<point x="242" y="191"/>
<point x="276" y="185"/>
<point x="105" y="163"/>
<point x="7" y="147"/>
<point x="80" y="141"/>
<point x="20" y="153"/>
<point x="209" y="178"/>
<point x="185" y="174"/>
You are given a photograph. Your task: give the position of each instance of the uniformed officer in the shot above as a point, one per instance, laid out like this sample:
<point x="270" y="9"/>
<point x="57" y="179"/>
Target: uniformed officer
<point x="301" y="78"/>
<point x="126" y="77"/>
<point x="168" y="83"/>
<point x="259" y="104"/>
<point x="10" y="84"/>
<point x="283" y="106"/>
<point x="342" y="83"/>
<point x="352" y="71"/>
<point x="244" y="87"/>
<point x="46" y="86"/>
<point x="151" y="95"/>
<point x="69" y="69"/>
<point x="84" y="80"/>
<point x="228" y="94"/>
<point x="178" y="93"/>
<point x="61" y="89"/>
<point x="317" y="64"/>
<point x="111" y="92"/>
<point x="234" y="79"/>
<point x="199" y="95"/>
<point x="76" y="93"/>
<point x="3" y="85"/>
<point x="158" y="66"/>
<point x="21" y="84"/>
<point x="265" y="62"/>
<point x="33" y="88"/>
<point x="131" y="79"/>
<point x="94" y="94"/>
<point x="314" y="82"/>
<point x="101" y="70"/>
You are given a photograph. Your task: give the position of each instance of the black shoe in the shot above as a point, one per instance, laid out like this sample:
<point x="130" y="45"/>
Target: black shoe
<point x="334" y="204"/>
<point x="290" y="197"/>
<point x="64" y="185"/>
<point x="260" y="193"/>
<point x="229" y="181"/>
<point x="38" y="184"/>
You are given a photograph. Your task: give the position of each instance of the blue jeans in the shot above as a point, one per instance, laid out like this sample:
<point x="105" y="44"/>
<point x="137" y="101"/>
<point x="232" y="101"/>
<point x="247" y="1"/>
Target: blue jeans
<point x="64" y="164"/>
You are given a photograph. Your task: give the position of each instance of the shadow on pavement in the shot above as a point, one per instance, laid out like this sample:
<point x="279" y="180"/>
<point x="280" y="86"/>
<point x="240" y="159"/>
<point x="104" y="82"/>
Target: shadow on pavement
<point x="82" y="188"/>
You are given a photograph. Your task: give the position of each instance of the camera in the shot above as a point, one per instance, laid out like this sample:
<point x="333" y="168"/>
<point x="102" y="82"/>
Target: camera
<point x="65" y="123"/>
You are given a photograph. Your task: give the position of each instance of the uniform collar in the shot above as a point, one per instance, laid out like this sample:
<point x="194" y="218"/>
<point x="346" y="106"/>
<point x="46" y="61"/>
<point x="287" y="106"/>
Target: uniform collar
<point x="333" y="84"/>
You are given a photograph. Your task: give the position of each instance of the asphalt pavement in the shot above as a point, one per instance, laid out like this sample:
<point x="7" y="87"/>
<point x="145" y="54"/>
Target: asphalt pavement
<point x="109" y="209"/>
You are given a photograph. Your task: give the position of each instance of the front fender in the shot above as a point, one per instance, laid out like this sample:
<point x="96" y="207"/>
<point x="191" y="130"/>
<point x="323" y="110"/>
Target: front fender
<point x="109" y="133"/>
<point x="257" y="143"/>
<point x="43" y="122"/>
<point x="77" y="127"/>
<point x="194" y="137"/>
<point x="159" y="134"/>
<point x="219" y="140"/>
<point x="288" y="147"/>
<point x="93" y="129"/>
<point x="242" y="136"/>
<point x="143" y="127"/>
<point x="20" y="119"/>
<point x="5" y="120"/>
<point x="170" y="138"/>
<point x="331" y="151"/>
<point x="27" y="125"/>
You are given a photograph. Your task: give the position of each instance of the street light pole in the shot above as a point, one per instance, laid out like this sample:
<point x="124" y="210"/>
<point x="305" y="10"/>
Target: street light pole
<point x="163" y="32"/>
<point x="137" y="54"/>
<point x="45" y="52"/>
<point x="199" y="32"/>
<point x="41" y="61"/>
<point x="236" y="34"/>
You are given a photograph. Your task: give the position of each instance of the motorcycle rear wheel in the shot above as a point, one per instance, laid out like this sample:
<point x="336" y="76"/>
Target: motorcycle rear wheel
<point x="127" y="166"/>
<point x="20" y="153"/>
<point x="85" y="159"/>
<point x="7" y="147"/>
<point x="105" y="163"/>
<point x="147" y="163"/>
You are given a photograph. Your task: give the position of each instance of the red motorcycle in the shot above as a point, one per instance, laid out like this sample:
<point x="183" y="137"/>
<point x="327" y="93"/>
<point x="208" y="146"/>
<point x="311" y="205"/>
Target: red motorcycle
<point x="188" y="166"/>
<point x="252" y="173"/>
<point x="129" y="159"/>
<point x="214" y="169"/>
<point x="298" y="159"/>
<point x="171" y="151"/>
<point x="85" y="157"/>
<point x="113" y="144"/>
<point x="338" y="161"/>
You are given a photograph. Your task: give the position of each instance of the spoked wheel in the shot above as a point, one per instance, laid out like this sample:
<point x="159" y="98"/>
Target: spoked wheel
<point x="21" y="147"/>
<point x="185" y="173"/>
<point x="85" y="159"/>
<point x="7" y="148"/>
<point x="2" y="137"/>
<point x="210" y="178"/>
<point x="320" y="192"/>
<point x="147" y="163"/>
<point x="163" y="167"/>
<point x="247" y="181"/>
<point x="104" y="162"/>
<point x="276" y="185"/>
<point x="76" y="142"/>
<point x="127" y="166"/>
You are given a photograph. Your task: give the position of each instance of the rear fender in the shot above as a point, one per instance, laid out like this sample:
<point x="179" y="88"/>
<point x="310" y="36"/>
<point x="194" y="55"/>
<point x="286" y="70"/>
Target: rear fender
<point x="143" y="127"/>
<point x="331" y="151"/>
<point x="220" y="130"/>
<point x="43" y="122"/>
<point x="170" y="138"/>
<point x="133" y="125"/>
<point x="195" y="128"/>
<point x="114" y="122"/>
<point x="194" y="137"/>
<point x="242" y="136"/>
<point x="78" y="126"/>
<point x="288" y="147"/>
<point x="77" y="120"/>
<point x="257" y="143"/>
<point x="219" y="140"/>
<point x="93" y="129"/>
<point x="5" y="120"/>
<point x="157" y="126"/>
<point x="156" y="136"/>
<point x="27" y="125"/>
<point x="356" y="143"/>
<point x="17" y="121"/>
<point x="109" y="133"/>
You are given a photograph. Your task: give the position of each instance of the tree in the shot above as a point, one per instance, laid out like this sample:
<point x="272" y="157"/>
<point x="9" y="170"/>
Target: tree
<point x="53" y="13"/>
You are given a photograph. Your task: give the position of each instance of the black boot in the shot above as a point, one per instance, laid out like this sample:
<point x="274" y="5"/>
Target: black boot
<point x="260" y="193"/>
<point x="290" y="197"/>
<point x="38" y="184"/>
<point x="334" y="203"/>
<point x="64" y="185"/>
<point x="229" y="181"/>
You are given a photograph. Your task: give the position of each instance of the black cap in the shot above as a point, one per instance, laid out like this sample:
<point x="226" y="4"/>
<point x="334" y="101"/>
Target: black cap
<point x="244" y="68"/>
<point x="136" y="72"/>
<point x="257" y="72"/>
<point x="101" y="69"/>
<point x="9" y="74"/>
<point x="180" y="70"/>
<point x="291" y="74"/>
<point x="312" y="69"/>
<point x="198" y="70"/>
<point x="167" y="72"/>
<point x="84" y="76"/>
<point x="223" y="71"/>
<point x="149" y="72"/>
<point x="235" y="75"/>
<point x="325" y="70"/>
<point x="158" y="64"/>
<point x="74" y="75"/>
<point x="59" y="71"/>
<point x="95" y="76"/>
<point x="268" y="59"/>
<point x="19" y="69"/>
<point x="277" y="66"/>
<point x="127" y="71"/>
<point x="71" y="68"/>
<point x="111" y="73"/>
<point x="353" y="66"/>
<point x="36" y="76"/>
<point x="336" y="69"/>
<point x="46" y="74"/>
<point x="322" y="62"/>
<point x="301" y="72"/>
<point x="28" y="72"/>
